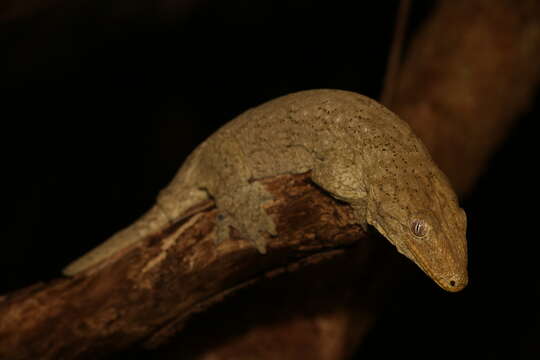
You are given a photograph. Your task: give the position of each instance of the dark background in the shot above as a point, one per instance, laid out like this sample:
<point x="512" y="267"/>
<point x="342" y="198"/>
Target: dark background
<point x="101" y="103"/>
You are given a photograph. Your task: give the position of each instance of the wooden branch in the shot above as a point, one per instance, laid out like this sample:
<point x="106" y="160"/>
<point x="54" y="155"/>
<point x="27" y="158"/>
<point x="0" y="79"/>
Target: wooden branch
<point x="395" y="54"/>
<point x="147" y="292"/>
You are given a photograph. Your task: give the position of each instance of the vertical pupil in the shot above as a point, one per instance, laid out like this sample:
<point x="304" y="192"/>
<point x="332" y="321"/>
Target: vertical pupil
<point x="418" y="228"/>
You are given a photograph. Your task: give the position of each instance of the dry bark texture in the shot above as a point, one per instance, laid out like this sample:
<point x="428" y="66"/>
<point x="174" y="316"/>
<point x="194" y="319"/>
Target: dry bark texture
<point x="145" y="294"/>
<point x="469" y="72"/>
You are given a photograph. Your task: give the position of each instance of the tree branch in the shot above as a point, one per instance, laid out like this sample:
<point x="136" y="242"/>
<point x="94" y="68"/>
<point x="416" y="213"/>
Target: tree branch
<point x="146" y="293"/>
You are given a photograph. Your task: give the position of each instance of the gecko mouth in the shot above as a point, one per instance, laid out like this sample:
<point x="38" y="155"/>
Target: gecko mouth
<point x="453" y="282"/>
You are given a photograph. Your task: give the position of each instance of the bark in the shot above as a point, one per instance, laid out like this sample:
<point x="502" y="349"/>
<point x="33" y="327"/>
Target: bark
<point x="145" y="293"/>
<point x="469" y="73"/>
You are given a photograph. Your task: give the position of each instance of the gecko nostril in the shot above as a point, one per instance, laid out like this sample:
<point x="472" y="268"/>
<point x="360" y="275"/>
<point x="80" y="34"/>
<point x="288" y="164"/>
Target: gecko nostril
<point x="452" y="283"/>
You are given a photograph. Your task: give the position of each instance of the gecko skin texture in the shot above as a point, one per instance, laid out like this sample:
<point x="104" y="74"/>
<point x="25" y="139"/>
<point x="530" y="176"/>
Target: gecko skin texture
<point x="356" y="150"/>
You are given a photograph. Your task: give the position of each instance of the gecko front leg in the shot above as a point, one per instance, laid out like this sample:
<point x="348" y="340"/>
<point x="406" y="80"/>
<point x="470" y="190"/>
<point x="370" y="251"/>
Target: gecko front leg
<point x="339" y="174"/>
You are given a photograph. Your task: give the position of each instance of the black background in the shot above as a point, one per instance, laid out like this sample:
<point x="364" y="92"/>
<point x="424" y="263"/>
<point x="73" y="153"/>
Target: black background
<point x="101" y="106"/>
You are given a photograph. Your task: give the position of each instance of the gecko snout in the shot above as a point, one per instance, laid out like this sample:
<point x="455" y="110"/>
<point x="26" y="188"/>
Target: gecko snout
<point x="454" y="284"/>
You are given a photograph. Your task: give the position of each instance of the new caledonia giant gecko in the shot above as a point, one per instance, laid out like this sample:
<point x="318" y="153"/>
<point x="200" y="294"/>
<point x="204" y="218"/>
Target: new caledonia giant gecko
<point x="356" y="150"/>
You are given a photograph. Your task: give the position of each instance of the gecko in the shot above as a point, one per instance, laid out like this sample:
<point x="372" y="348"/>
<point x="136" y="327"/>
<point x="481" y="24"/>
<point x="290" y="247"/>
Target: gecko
<point x="355" y="149"/>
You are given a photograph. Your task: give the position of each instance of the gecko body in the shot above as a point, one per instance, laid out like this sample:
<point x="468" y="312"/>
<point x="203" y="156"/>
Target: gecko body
<point x="356" y="150"/>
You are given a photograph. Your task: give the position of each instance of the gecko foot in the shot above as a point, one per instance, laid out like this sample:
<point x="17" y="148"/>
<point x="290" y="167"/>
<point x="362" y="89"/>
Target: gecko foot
<point x="243" y="210"/>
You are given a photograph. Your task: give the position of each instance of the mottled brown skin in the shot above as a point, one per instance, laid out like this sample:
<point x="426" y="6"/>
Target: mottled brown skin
<point x="355" y="148"/>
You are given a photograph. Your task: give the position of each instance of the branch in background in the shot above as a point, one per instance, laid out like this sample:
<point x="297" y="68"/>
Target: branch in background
<point x="471" y="71"/>
<point x="394" y="57"/>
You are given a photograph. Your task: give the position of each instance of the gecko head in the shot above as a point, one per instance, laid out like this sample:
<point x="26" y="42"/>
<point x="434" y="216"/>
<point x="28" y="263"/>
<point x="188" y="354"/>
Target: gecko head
<point x="426" y="224"/>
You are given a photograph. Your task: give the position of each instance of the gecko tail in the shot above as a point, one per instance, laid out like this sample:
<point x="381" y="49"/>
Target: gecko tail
<point x="171" y="205"/>
<point x="148" y="224"/>
<point x="172" y="202"/>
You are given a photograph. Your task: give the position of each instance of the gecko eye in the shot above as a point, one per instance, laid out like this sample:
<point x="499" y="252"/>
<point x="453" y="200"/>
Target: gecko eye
<point x="419" y="228"/>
